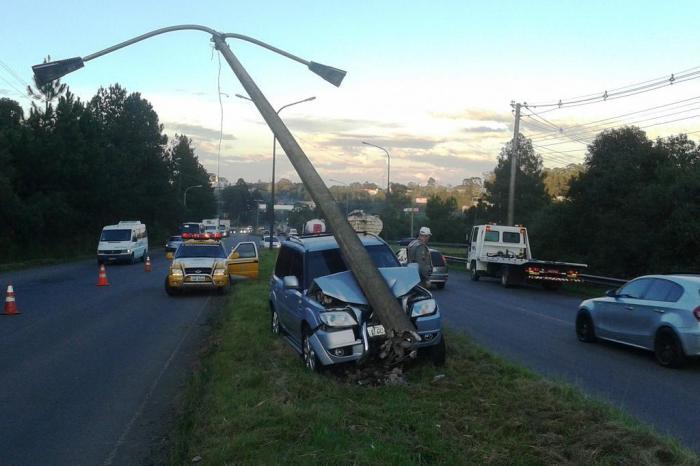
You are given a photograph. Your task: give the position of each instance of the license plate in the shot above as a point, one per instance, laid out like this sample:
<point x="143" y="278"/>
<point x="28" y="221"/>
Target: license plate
<point x="376" y="330"/>
<point x="198" y="278"/>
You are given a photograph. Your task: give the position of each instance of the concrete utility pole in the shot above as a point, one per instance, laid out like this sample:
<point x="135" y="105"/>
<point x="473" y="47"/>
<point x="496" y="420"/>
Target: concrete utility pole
<point x="513" y="164"/>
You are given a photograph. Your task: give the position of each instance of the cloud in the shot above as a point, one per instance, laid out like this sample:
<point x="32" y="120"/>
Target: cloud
<point x="476" y="115"/>
<point x="484" y="129"/>
<point x="197" y="131"/>
<point x="334" y="125"/>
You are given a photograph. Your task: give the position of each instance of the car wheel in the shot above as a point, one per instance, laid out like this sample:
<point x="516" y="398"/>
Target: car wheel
<point x="224" y="289"/>
<point x="169" y="289"/>
<point x="274" y="322"/>
<point x="585" y="331"/>
<point x="474" y="272"/>
<point x="133" y="258"/>
<point x="668" y="349"/>
<point x="308" y="353"/>
<point x="437" y="353"/>
<point x="440" y="285"/>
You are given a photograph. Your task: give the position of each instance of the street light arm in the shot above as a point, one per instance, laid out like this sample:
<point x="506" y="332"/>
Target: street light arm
<point x="47" y="72"/>
<point x="294" y="103"/>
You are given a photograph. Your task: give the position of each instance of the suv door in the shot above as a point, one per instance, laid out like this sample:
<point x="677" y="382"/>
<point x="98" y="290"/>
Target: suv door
<point x="244" y="260"/>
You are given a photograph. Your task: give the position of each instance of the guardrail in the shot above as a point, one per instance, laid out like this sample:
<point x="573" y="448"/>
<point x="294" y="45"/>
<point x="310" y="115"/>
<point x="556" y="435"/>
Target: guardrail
<point x="592" y="279"/>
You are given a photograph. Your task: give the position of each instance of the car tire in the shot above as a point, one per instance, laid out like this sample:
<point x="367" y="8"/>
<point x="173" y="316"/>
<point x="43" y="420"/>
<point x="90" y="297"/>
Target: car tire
<point x="474" y="272"/>
<point x="274" y="321"/>
<point x="440" y="285"/>
<point x="668" y="349"/>
<point x="307" y="351"/>
<point x="437" y="353"/>
<point x="224" y="289"/>
<point x="169" y="289"/>
<point x="585" y="330"/>
<point x="133" y="258"/>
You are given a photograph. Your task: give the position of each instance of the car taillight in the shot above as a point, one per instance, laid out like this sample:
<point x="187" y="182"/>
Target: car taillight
<point x="696" y="313"/>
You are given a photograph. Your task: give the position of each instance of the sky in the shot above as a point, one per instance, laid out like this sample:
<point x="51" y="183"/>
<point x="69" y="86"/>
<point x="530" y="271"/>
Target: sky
<point x="431" y="82"/>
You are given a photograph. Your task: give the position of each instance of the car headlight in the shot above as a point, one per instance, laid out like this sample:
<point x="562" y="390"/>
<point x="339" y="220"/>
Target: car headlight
<point x="220" y="271"/>
<point x="176" y="272"/>
<point x="337" y="319"/>
<point x="423" y="308"/>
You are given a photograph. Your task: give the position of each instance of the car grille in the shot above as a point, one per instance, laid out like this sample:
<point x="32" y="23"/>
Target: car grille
<point x="198" y="271"/>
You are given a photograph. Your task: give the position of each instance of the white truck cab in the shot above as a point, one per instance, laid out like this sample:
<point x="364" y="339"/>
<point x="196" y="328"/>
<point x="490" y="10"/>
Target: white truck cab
<point x="126" y="241"/>
<point x="504" y="251"/>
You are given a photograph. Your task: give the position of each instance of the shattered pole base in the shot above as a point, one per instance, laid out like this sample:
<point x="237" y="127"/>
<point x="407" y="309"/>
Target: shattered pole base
<point x="387" y="367"/>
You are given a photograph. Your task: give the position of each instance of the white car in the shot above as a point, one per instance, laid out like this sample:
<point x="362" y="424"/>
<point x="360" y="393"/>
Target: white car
<point x="266" y="242"/>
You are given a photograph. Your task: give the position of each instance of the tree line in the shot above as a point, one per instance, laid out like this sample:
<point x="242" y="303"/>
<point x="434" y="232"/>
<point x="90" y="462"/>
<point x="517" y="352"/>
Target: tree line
<point x="70" y="167"/>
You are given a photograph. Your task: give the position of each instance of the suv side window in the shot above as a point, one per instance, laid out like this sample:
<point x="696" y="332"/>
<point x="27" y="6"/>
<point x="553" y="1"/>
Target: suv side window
<point x="284" y="262"/>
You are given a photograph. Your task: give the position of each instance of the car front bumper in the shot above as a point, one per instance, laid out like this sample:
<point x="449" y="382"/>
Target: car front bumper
<point x="341" y="346"/>
<point x="208" y="281"/>
<point x="121" y="257"/>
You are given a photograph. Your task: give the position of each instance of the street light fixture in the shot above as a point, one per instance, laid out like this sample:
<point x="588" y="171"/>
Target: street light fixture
<point x="399" y="327"/>
<point x="190" y="187"/>
<point x="388" y="166"/>
<point x="347" y="193"/>
<point x="274" y="147"/>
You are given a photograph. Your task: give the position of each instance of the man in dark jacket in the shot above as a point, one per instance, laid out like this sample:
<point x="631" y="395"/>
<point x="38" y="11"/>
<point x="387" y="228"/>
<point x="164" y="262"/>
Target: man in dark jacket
<point x="419" y="253"/>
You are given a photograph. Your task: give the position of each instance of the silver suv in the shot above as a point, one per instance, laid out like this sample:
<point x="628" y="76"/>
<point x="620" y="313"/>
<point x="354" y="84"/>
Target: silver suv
<point x="319" y="308"/>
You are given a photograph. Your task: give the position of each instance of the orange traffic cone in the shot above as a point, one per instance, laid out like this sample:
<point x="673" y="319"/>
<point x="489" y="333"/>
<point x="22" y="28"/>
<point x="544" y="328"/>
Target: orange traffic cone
<point x="102" y="276"/>
<point x="147" y="264"/>
<point x="10" y="304"/>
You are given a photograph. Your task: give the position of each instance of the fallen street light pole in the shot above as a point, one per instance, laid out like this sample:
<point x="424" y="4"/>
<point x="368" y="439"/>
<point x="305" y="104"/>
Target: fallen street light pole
<point x="381" y="299"/>
<point x="400" y="329"/>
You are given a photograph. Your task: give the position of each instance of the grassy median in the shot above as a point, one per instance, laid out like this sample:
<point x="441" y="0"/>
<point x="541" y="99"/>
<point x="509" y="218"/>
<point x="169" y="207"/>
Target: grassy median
<point x="252" y="402"/>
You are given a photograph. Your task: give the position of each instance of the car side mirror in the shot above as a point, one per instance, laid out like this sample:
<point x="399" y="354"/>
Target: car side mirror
<point x="133" y="239"/>
<point x="611" y="293"/>
<point x="290" y="282"/>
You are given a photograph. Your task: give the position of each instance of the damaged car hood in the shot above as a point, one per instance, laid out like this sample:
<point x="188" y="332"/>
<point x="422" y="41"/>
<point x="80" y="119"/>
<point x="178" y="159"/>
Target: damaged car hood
<point x="344" y="287"/>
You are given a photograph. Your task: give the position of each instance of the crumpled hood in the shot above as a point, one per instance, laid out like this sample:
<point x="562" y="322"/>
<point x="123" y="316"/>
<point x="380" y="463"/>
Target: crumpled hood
<point x="344" y="287"/>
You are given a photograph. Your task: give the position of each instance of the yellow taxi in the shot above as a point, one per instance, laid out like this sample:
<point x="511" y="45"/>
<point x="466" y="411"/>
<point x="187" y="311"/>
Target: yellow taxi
<point x="201" y="262"/>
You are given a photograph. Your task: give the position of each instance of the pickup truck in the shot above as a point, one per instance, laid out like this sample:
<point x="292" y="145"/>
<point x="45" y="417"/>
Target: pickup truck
<point x="504" y="252"/>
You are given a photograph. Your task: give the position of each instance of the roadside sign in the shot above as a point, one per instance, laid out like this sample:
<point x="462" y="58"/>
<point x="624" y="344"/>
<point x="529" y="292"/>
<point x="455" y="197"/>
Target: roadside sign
<point x="421" y="200"/>
<point x="411" y="209"/>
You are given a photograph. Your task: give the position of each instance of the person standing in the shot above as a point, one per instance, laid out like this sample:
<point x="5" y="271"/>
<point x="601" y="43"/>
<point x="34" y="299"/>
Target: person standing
<point x="418" y="252"/>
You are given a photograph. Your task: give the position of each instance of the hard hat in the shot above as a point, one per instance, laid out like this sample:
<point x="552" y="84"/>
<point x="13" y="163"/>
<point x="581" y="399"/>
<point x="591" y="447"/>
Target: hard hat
<point x="424" y="231"/>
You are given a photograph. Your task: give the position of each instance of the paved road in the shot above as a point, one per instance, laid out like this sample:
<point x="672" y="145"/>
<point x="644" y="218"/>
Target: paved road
<point x="89" y="375"/>
<point x="536" y="328"/>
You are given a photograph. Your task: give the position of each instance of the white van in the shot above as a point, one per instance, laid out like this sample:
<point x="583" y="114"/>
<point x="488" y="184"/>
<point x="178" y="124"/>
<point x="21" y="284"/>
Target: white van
<point x="126" y="241"/>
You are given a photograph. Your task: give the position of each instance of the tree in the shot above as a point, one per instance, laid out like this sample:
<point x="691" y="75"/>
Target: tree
<point x="238" y="202"/>
<point x="186" y="171"/>
<point x="530" y="193"/>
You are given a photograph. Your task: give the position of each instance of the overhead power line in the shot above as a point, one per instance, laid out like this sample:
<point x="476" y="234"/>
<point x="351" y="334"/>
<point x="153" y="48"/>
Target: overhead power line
<point x="626" y="91"/>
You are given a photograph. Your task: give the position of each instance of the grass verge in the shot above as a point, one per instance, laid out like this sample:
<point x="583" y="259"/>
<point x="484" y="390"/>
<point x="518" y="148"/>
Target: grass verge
<point x="252" y="402"/>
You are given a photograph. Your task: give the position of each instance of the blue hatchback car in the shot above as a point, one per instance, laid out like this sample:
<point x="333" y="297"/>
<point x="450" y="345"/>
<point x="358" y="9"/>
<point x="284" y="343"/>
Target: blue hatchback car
<point x="317" y="305"/>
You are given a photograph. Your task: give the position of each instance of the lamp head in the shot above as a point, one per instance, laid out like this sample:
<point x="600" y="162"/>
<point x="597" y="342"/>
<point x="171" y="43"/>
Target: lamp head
<point x="330" y="74"/>
<point x="47" y="72"/>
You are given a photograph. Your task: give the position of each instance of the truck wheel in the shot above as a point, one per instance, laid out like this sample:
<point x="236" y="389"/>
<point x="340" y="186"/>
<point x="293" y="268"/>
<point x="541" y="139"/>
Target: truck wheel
<point x="474" y="272"/>
<point x="505" y="277"/>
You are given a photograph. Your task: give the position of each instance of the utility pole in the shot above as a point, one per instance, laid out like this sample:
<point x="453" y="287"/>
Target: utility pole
<point x="513" y="163"/>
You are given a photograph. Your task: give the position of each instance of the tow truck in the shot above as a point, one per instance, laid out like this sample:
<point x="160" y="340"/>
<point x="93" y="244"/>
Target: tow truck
<point x="504" y="251"/>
